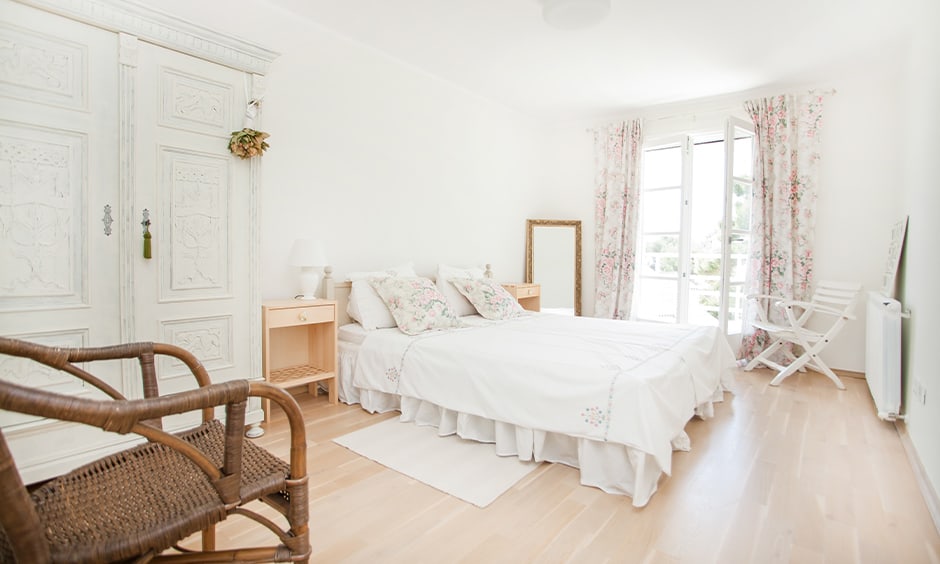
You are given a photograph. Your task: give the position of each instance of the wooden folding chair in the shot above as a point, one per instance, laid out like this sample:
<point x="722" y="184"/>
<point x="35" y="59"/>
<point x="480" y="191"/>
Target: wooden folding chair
<point x="832" y="305"/>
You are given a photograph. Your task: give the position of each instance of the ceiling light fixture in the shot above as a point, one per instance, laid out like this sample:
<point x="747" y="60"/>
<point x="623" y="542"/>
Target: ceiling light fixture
<point x="574" y="14"/>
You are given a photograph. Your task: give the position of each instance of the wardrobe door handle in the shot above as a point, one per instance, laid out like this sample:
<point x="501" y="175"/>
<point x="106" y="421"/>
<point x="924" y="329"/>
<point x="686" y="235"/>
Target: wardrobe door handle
<point x="146" y="224"/>
<point x="107" y="220"/>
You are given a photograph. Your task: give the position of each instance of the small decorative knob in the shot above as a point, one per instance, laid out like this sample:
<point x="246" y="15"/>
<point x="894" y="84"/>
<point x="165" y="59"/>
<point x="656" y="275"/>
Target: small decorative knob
<point x="107" y="220"/>
<point x="303" y="316"/>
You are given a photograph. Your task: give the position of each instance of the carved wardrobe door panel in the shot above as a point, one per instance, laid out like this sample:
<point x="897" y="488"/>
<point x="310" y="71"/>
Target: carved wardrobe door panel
<point x="108" y="108"/>
<point x="59" y="191"/>
<point x="194" y="291"/>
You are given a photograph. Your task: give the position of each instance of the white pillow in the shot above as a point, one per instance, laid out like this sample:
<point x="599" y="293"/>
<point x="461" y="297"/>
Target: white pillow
<point x="364" y="305"/>
<point x="489" y="297"/>
<point x="415" y="303"/>
<point x="458" y="303"/>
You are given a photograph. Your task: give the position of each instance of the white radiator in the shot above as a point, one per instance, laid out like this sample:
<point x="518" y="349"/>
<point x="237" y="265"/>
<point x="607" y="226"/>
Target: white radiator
<point x="883" y="354"/>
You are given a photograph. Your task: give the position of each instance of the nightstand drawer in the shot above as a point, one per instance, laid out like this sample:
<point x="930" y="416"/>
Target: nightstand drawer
<point x="527" y="291"/>
<point x="300" y="316"/>
<point x="528" y="294"/>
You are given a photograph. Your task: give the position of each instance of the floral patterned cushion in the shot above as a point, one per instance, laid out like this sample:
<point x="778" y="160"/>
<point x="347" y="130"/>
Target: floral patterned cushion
<point x="455" y="299"/>
<point x="415" y="303"/>
<point x="490" y="299"/>
<point x="365" y="306"/>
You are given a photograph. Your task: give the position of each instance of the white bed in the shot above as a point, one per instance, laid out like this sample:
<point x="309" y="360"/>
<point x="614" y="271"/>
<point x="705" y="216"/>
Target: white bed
<point x="611" y="398"/>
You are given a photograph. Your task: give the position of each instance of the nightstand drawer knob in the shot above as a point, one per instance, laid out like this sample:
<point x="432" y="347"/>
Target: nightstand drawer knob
<point x="303" y="316"/>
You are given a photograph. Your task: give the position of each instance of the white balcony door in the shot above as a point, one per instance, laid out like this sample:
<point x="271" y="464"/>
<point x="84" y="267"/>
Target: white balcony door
<point x="739" y="187"/>
<point x="694" y="213"/>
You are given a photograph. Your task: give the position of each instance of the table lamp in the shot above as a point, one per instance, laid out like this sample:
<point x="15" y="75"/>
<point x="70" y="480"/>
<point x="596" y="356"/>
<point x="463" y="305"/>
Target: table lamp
<point x="309" y="255"/>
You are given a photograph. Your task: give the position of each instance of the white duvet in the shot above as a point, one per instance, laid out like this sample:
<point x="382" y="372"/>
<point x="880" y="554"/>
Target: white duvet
<point x="635" y="384"/>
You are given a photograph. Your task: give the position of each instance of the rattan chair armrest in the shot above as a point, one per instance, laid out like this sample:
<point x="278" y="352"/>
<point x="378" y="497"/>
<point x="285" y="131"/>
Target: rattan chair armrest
<point x="64" y="358"/>
<point x="121" y="416"/>
<point x="298" y="511"/>
<point x="198" y="370"/>
<point x="295" y="420"/>
<point x="117" y="416"/>
<point x="59" y="357"/>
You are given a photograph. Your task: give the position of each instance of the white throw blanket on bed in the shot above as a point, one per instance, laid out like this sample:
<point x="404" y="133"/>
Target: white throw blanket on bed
<point x="636" y="384"/>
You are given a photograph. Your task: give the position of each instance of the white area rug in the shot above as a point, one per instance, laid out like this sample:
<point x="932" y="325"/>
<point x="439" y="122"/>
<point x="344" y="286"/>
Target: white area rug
<point x="465" y="469"/>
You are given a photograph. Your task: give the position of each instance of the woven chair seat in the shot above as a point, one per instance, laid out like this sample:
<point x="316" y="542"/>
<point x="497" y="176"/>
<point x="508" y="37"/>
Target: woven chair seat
<point x="138" y="504"/>
<point x="132" y="502"/>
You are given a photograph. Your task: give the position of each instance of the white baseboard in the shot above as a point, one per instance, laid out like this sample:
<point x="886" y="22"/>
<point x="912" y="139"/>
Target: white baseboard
<point x="926" y="489"/>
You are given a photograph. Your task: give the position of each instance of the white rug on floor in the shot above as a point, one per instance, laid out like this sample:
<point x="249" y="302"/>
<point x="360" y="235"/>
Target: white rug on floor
<point x="465" y="469"/>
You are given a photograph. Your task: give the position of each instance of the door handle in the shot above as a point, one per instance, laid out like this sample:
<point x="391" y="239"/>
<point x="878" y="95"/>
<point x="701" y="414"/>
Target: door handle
<point x="146" y="224"/>
<point x="107" y="220"/>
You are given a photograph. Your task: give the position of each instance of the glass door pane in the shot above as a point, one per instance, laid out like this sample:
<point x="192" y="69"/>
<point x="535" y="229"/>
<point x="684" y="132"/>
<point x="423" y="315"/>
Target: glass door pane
<point x="659" y="256"/>
<point x="707" y="207"/>
<point x="658" y="299"/>
<point x="659" y="243"/>
<point x="662" y="167"/>
<point x="739" y="182"/>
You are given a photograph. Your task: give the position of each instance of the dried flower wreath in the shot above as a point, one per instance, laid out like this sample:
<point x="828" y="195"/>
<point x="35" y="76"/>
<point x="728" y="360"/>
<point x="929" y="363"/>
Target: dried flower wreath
<point x="248" y="143"/>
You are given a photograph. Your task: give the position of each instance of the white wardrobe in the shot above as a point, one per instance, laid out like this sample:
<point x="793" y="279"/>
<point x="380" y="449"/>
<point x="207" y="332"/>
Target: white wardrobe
<point x="112" y="114"/>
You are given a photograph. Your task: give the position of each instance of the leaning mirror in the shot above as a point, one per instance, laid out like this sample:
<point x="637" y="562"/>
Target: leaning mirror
<point x="553" y="260"/>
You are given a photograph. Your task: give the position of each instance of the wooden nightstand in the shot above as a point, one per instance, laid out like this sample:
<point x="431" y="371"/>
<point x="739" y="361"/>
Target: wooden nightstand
<point x="529" y="295"/>
<point x="299" y="345"/>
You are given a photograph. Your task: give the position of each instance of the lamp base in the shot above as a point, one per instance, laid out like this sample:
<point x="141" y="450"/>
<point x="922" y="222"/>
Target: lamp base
<point x="309" y="280"/>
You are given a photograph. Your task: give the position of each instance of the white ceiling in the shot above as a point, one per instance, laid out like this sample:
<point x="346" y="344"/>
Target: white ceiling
<point x="646" y="52"/>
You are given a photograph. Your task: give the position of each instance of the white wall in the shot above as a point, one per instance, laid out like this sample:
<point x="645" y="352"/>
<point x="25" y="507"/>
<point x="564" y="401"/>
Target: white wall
<point x="565" y="175"/>
<point x="388" y="165"/>
<point x="919" y="194"/>
<point x="859" y="183"/>
<point x="383" y="162"/>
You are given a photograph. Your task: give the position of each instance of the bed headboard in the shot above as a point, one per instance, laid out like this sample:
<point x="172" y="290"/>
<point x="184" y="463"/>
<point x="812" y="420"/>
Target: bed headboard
<point x="341" y="295"/>
<point x="339" y="291"/>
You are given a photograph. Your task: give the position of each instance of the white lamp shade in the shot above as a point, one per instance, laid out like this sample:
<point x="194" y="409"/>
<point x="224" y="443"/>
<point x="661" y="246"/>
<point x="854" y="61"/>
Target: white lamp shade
<point x="307" y="252"/>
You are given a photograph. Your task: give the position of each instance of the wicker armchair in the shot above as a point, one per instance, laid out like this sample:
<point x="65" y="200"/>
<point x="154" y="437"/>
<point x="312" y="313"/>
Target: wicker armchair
<point x="136" y="505"/>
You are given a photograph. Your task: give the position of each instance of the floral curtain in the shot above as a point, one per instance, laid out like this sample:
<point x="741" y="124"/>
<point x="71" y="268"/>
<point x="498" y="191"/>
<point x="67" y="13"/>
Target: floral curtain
<point x="783" y="205"/>
<point x="616" y="204"/>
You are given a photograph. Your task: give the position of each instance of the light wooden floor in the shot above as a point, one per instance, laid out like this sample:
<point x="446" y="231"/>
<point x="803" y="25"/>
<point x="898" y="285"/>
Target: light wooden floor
<point x="799" y="473"/>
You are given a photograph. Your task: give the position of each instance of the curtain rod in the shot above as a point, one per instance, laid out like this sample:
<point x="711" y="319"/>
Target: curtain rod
<point x="830" y="91"/>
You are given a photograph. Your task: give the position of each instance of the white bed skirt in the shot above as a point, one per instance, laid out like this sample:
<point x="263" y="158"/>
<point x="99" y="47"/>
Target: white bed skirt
<point x="612" y="467"/>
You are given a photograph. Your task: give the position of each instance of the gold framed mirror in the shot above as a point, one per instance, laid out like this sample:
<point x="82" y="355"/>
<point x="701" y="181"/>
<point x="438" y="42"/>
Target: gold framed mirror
<point x="553" y="260"/>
